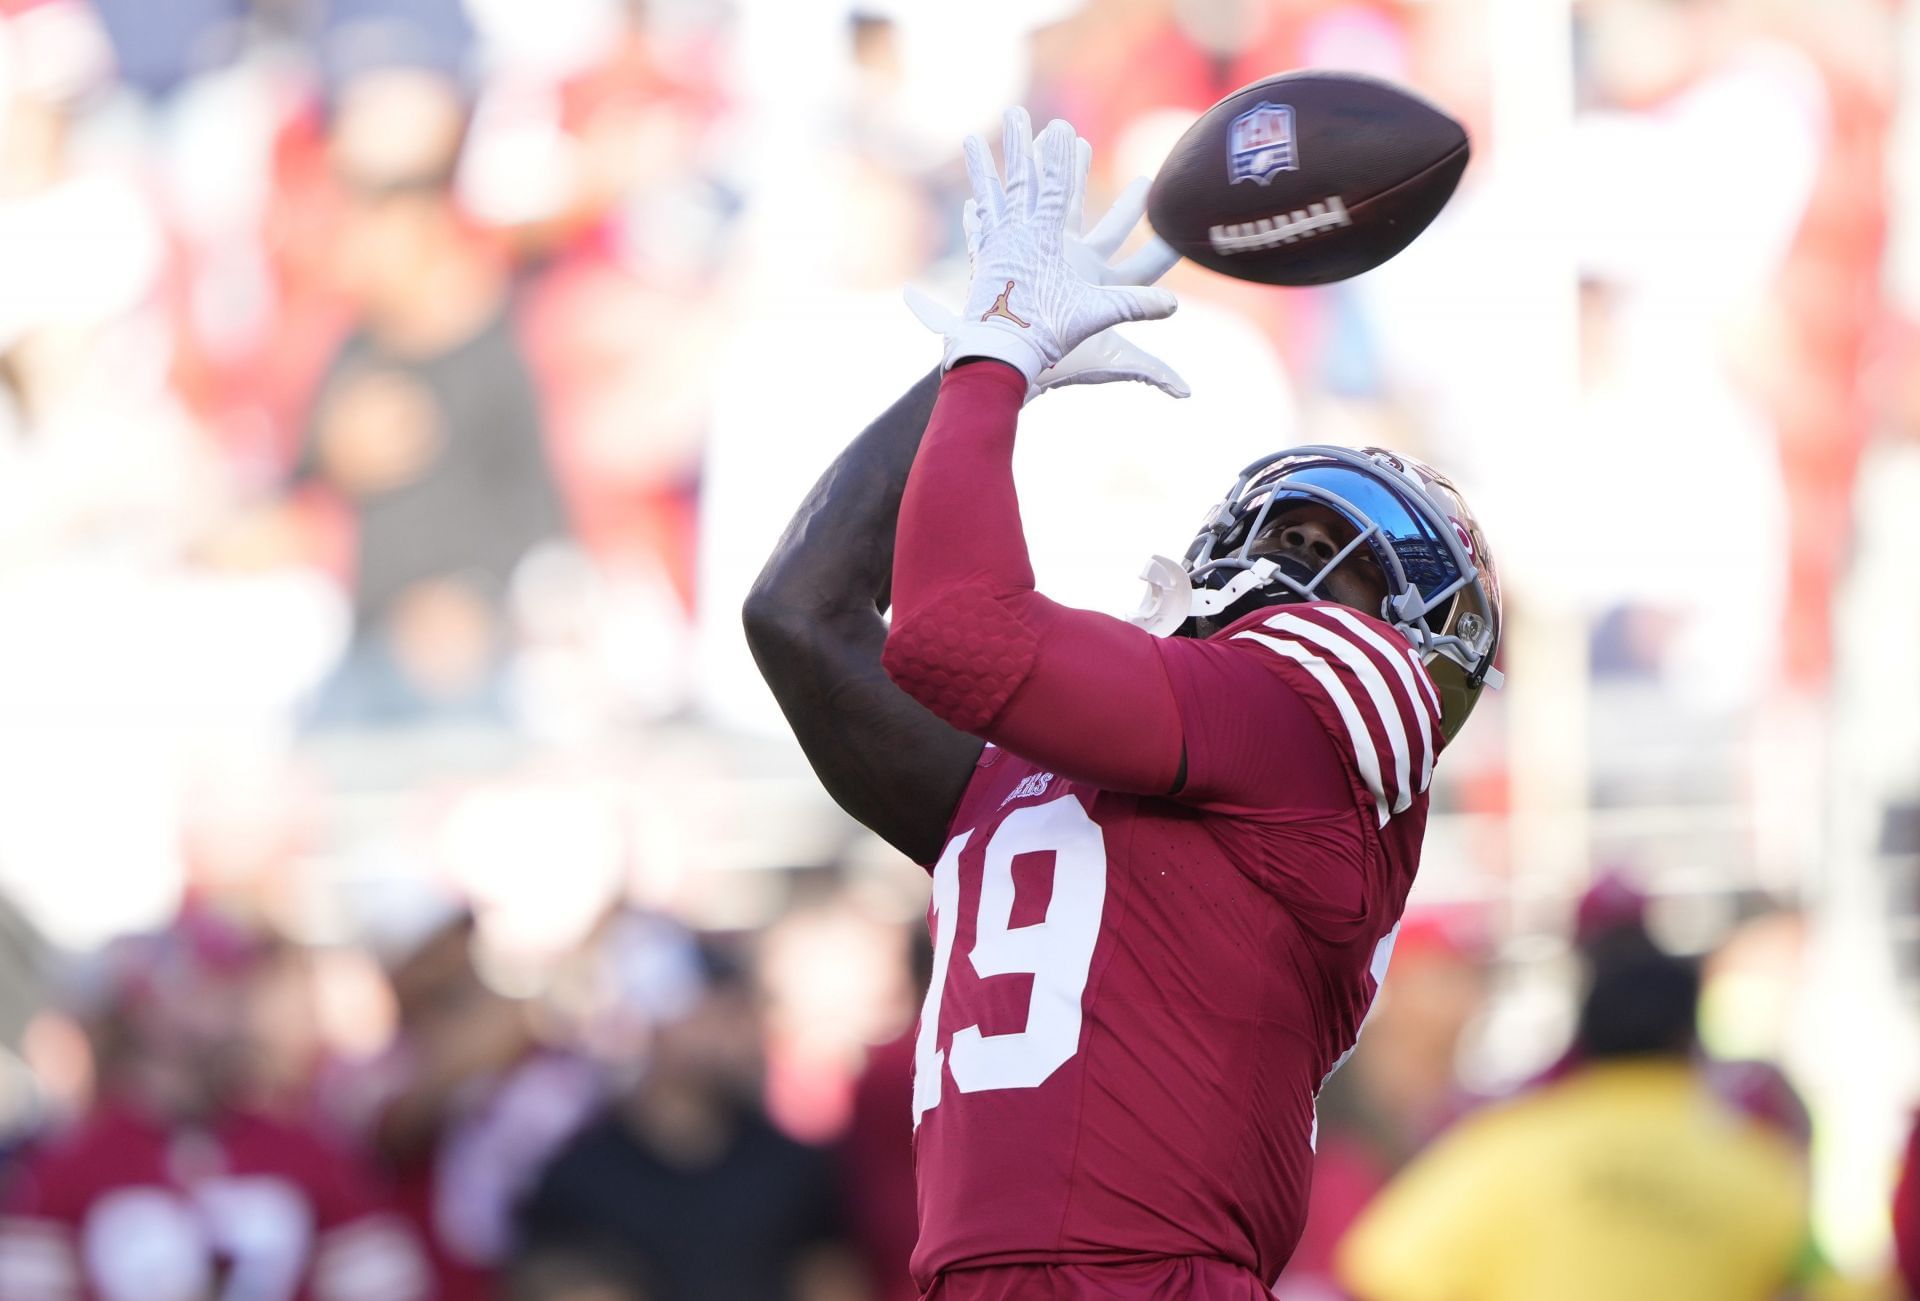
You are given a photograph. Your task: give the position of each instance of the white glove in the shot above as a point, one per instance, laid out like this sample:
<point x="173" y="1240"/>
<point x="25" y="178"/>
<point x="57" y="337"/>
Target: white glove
<point x="1027" y="305"/>
<point x="1108" y="355"/>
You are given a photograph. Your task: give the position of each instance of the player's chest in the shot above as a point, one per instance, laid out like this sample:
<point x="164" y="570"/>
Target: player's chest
<point x="1036" y="859"/>
<point x="1027" y="846"/>
<point x="1056" y="906"/>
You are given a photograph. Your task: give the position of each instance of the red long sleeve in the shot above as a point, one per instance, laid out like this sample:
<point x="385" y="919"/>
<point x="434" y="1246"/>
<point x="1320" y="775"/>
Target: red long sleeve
<point x="1312" y="728"/>
<point x="1084" y="693"/>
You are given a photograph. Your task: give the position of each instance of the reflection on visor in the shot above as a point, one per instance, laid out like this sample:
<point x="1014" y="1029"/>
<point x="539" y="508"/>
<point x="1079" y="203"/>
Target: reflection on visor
<point x="1424" y="556"/>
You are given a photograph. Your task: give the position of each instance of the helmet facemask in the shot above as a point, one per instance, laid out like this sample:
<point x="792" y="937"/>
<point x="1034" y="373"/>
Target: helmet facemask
<point x="1441" y="595"/>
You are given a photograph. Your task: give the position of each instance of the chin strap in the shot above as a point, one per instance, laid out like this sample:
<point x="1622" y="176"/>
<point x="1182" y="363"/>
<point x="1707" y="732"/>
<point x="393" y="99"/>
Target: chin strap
<point x="1172" y="599"/>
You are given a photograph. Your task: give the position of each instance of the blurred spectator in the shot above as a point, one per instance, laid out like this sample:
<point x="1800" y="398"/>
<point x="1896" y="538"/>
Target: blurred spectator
<point x="1614" y="902"/>
<point x="628" y="307"/>
<point x="1761" y="1091"/>
<point x="96" y="459"/>
<point x="1751" y="335"/>
<point x="686" y="1172"/>
<point x="878" y="1150"/>
<point x="472" y="1106"/>
<point x="1627" y="1178"/>
<point x="1399" y="1090"/>
<point x="569" y="1274"/>
<point x="427" y="422"/>
<point x="1611" y="917"/>
<point x="158" y="48"/>
<point x="173" y="1187"/>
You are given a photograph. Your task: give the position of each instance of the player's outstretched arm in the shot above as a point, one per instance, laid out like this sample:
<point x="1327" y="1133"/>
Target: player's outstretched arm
<point x="1083" y="693"/>
<point x="814" y="623"/>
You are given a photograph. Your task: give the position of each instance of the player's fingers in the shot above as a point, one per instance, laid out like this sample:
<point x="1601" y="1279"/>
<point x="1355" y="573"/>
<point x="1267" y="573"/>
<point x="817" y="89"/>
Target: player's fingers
<point x="1138" y="302"/>
<point x="1135" y="362"/>
<point x="988" y="198"/>
<point x="1171" y="384"/>
<point x="1119" y="221"/>
<point x="1145" y="266"/>
<point x="1016" y="157"/>
<point x="1016" y="136"/>
<point x="970" y="226"/>
<point x="1054" y="157"/>
<point x="928" y="310"/>
<point x="1077" y="201"/>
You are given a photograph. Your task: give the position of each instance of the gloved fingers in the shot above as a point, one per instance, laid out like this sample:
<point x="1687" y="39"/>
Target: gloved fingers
<point x="1170" y="383"/>
<point x="929" y="311"/>
<point x="1077" y="201"/>
<point x="1016" y="159"/>
<point x="970" y="227"/>
<point x="1120" y="219"/>
<point x="1131" y="361"/>
<point x="1136" y="302"/>
<point x="1055" y="158"/>
<point x="1145" y="266"/>
<point x="990" y="200"/>
<point x="1110" y="356"/>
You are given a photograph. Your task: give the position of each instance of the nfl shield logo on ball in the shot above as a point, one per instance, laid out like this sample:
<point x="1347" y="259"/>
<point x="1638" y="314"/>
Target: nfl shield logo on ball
<point x="1260" y="143"/>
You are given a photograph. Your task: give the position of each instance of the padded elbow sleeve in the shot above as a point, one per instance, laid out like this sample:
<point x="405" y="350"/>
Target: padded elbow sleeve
<point x="962" y="656"/>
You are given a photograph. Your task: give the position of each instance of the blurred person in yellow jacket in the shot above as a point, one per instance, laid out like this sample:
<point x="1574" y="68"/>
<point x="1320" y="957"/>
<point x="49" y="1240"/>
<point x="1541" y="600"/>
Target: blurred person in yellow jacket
<point x="1627" y="1177"/>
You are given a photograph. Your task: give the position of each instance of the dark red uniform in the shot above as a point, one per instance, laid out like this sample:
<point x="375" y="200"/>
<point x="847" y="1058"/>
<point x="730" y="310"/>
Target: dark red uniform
<point x="1155" y="937"/>
<point x="126" y="1208"/>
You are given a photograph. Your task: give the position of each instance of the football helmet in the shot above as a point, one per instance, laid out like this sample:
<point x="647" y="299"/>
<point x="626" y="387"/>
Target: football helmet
<point x="1442" y="593"/>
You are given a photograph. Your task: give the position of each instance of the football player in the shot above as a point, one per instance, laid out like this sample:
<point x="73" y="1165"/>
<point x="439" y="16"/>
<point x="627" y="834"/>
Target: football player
<point x="1167" y="869"/>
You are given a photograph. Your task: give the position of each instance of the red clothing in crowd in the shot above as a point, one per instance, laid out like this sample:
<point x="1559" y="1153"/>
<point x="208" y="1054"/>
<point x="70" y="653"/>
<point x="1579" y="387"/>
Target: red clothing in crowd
<point x="127" y="1207"/>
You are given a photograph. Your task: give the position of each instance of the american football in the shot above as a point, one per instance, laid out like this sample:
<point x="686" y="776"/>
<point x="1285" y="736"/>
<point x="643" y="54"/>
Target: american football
<point x="1307" y="178"/>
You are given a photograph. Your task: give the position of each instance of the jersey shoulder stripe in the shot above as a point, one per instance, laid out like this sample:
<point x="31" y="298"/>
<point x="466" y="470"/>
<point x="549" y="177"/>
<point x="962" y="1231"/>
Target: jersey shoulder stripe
<point x="1408" y="671"/>
<point x="1370" y="691"/>
<point x="1359" y="739"/>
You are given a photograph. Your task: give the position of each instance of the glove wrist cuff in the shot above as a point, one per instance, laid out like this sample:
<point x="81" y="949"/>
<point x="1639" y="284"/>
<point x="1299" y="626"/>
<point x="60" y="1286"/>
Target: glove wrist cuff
<point x="980" y="339"/>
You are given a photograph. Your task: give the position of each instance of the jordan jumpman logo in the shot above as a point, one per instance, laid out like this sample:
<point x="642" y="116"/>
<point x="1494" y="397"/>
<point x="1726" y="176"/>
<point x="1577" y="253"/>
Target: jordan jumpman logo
<point x="999" y="308"/>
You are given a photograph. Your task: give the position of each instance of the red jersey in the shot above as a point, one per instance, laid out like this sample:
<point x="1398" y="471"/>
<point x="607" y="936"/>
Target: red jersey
<point x="1167" y="896"/>
<point x="1136" y="998"/>
<point x="126" y="1208"/>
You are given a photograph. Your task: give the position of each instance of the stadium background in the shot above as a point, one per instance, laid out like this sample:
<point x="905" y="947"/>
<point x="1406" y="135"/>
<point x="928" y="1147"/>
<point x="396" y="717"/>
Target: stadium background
<point x="397" y="397"/>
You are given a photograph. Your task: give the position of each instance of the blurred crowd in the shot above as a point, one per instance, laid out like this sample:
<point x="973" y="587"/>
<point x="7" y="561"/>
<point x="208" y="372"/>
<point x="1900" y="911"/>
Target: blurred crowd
<point x="611" y="1140"/>
<point x="405" y="893"/>
<point x="225" y="1114"/>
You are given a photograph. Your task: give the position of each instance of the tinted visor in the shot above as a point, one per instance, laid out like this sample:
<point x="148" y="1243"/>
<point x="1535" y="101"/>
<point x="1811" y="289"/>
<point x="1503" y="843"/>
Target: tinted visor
<point x="1404" y="531"/>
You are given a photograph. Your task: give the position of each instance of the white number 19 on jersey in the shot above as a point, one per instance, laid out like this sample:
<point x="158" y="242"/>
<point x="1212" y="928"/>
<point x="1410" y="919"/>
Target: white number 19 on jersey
<point x="1057" y="952"/>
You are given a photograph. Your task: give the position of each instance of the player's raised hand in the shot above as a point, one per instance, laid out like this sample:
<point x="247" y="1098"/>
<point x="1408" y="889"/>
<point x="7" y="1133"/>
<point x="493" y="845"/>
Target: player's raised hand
<point x="1028" y="303"/>
<point x="1107" y="356"/>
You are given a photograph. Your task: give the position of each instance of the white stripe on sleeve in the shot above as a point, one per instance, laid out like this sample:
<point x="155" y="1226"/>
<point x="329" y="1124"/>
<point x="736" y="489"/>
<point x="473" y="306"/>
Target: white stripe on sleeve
<point x="1377" y="690"/>
<point x="1363" y="751"/>
<point x="1426" y="682"/>
<point x="1406" y="675"/>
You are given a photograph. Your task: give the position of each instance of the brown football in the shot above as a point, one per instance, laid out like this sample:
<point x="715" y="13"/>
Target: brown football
<point x="1307" y="177"/>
